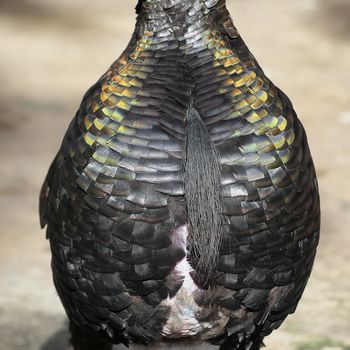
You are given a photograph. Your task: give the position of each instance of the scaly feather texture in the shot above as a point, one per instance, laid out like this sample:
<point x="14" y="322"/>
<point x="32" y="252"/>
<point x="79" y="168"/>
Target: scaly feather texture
<point x="142" y="250"/>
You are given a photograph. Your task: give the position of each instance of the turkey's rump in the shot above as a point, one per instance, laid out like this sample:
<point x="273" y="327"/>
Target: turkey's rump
<point x="183" y="201"/>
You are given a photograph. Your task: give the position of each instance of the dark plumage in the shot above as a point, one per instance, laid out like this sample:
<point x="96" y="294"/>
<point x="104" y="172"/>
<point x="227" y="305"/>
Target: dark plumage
<point x="183" y="202"/>
<point x="202" y="181"/>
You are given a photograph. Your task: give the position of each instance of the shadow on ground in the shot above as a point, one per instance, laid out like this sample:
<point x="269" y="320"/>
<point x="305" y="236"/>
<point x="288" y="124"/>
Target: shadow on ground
<point x="58" y="341"/>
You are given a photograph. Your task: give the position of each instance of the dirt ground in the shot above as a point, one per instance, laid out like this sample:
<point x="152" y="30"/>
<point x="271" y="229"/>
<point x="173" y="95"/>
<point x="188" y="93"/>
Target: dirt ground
<point x="52" y="51"/>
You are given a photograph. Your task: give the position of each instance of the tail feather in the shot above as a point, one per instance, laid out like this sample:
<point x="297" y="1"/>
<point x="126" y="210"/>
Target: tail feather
<point x="203" y="196"/>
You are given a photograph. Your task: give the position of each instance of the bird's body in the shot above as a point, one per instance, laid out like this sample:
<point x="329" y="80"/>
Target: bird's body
<point x="183" y="202"/>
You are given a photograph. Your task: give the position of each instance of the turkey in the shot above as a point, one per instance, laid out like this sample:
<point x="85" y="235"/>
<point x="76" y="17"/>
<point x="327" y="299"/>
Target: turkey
<point x="182" y="205"/>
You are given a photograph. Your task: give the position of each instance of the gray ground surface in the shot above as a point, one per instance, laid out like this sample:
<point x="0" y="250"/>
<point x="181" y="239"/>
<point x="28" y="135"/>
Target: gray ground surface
<point x="51" y="52"/>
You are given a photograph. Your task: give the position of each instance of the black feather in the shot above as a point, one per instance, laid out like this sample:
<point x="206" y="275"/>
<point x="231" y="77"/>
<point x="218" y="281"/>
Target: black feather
<point x="203" y="196"/>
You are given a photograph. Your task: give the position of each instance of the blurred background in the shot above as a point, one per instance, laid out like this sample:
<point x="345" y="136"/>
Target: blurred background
<point x="51" y="52"/>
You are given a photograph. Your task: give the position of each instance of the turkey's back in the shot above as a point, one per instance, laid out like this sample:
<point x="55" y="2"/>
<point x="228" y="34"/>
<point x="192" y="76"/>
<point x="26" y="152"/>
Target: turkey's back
<point x="126" y="259"/>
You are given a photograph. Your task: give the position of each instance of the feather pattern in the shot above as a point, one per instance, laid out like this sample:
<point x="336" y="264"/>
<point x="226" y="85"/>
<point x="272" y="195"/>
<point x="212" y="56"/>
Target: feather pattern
<point x="116" y="195"/>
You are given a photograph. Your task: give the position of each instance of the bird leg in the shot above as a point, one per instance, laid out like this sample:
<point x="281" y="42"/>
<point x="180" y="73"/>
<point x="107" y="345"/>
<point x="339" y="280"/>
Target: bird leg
<point x="81" y="340"/>
<point x="249" y="345"/>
